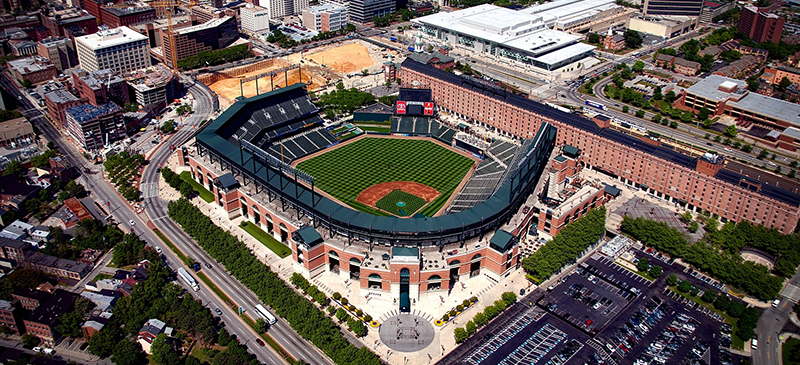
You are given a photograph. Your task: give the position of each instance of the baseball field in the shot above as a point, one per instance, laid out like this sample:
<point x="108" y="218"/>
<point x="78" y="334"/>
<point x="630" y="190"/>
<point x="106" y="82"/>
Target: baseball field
<point x="386" y="176"/>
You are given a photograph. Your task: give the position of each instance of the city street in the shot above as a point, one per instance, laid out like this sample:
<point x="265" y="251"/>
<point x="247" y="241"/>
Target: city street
<point x="123" y="213"/>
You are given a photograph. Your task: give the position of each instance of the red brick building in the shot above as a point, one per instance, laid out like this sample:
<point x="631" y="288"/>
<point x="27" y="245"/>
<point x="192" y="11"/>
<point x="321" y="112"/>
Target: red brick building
<point x="58" y="102"/>
<point x="43" y="321"/>
<point x="101" y="87"/>
<point x="35" y="69"/>
<point x="614" y="42"/>
<point x="117" y="17"/>
<point x="760" y="26"/>
<point x="11" y="317"/>
<point x="676" y="178"/>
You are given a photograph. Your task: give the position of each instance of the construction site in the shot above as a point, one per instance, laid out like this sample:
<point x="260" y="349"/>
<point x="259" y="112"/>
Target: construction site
<point x="324" y="67"/>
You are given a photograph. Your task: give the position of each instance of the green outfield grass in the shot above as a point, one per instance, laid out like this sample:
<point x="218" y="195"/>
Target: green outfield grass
<point x="347" y="171"/>
<point x="400" y="203"/>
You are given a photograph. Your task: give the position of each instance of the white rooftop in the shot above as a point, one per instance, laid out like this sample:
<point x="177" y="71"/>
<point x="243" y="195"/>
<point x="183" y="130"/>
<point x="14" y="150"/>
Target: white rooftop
<point x="111" y="37"/>
<point x="207" y="25"/>
<point x="728" y="84"/>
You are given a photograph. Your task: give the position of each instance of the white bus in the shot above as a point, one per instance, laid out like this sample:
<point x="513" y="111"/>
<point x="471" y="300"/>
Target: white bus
<point x="265" y="314"/>
<point x="188" y="278"/>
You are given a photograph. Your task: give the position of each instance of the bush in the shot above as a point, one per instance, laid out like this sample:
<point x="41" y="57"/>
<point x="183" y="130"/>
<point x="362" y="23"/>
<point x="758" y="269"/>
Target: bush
<point x="344" y="301"/>
<point x="466" y="303"/>
<point x="337" y="296"/>
<point x="473" y="299"/>
<point x="460" y="308"/>
<point x="368" y="318"/>
<point x="453" y="313"/>
<point x="445" y="317"/>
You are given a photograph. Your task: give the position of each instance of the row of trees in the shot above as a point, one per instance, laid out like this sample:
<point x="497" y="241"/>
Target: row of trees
<point x="301" y="314"/>
<point x="218" y="57"/>
<point x="506" y="300"/>
<point x="344" y="101"/>
<point x="747" y="317"/>
<point x="174" y="180"/>
<point x="122" y="170"/>
<point x="310" y="289"/>
<point x="566" y="246"/>
<point x="708" y="255"/>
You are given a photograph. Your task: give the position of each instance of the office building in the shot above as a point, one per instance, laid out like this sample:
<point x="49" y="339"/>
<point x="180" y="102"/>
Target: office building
<point x="11" y="317"/>
<point x="760" y="26"/>
<point x="713" y="9"/>
<point x="216" y="34"/>
<point x="255" y="18"/>
<point x="365" y="11"/>
<point x="69" y="21"/>
<point x="120" y="49"/>
<point x="92" y="127"/>
<point x="673" y="7"/>
<point x="34" y="69"/>
<point x="504" y="33"/>
<point x="58" y="101"/>
<point x="281" y="8"/>
<point x="723" y="95"/>
<point x="153" y="87"/>
<point x="22" y="47"/>
<point x="117" y="17"/>
<point x="328" y="17"/>
<point x="101" y="87"/>
<point x="60" y="51"/>
<point x="662" y="26"/>
<point x="205" y="13"/>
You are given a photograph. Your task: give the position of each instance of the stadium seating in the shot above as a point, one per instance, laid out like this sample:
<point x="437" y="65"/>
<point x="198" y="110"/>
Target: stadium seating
<point x="303" y="144"/>
<point x="406" y="125"/>
<point x="422" y="125"/>
<point x="487" y="177"/>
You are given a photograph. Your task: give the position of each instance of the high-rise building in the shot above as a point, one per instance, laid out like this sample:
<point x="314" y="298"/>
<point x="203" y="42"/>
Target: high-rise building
<point x="364" y="11"/>
<point x="760" y="26"/>
<point x="95" y="126"/>
<point x="209" y="36"/>
<point x="121" y="50"/>
<point x="328" y="17"/>
<point x="60" y="51"/>
<point x="281" y="8"/>
<point x="254" y="18"/>
<point x="673" y="7"/>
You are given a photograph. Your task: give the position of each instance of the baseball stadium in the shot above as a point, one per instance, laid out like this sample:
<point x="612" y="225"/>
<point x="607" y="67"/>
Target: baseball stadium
<point x="373" y="207"/>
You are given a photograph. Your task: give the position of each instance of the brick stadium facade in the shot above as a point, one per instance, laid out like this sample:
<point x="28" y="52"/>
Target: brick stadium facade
<point x="688" y="181"/>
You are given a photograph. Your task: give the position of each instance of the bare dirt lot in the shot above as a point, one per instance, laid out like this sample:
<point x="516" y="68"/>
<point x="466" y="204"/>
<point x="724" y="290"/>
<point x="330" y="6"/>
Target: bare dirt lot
<point x="229" y="88"/>
<point x="348" y="58"/>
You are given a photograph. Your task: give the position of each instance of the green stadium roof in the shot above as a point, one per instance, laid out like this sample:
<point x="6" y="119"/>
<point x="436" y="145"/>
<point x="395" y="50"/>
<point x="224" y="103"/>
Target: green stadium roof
<point x="309" y="235"/>
<point x="405" y="252"/>
<point x="570" y="151"/>
<point x="502" y="240"/>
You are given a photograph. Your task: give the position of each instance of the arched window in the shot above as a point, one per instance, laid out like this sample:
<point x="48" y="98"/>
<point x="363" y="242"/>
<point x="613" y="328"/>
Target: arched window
<point x="355" y="261"/>
<point x="455" y="263"/>
<point x="375" y="277"/>
<point x="434" y="279"/>
<point x="333" y="253"/>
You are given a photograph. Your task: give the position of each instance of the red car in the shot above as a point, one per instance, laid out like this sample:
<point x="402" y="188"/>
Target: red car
<point x="259" y="342"/>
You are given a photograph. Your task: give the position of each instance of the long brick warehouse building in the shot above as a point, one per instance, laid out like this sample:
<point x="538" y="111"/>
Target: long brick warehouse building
<point x="693" y="182"/>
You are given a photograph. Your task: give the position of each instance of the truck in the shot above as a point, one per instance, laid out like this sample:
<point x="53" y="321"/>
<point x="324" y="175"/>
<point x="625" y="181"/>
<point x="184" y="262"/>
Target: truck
<point x="188" y="279"/>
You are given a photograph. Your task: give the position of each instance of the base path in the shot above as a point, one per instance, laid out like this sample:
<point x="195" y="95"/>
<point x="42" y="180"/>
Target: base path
<point x="372" y="194"/>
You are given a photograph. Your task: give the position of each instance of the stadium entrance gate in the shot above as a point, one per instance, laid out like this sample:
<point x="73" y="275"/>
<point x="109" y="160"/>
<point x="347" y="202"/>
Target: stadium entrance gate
<point x="405" y="302"/>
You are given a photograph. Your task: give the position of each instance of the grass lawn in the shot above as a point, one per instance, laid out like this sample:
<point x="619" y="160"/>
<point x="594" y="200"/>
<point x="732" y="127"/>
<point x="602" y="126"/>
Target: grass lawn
<point x="377" y="129"/>
<point x="400" y="203"/>
<point x="346" y="171"/>
<point x="201" y="191"/>
<point x="637" y="272"/>
<point x="372" y="122"/>
<point x="736" y="342"/>
<point x="102" y="276"/>
<point x="267" y="240"/>
<point x="791" y="343"/>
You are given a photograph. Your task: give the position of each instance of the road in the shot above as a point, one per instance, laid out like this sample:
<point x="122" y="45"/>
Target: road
<point x="156" y="209"/>
<point x="123" y="214"/>
<point x="770" y="325"/>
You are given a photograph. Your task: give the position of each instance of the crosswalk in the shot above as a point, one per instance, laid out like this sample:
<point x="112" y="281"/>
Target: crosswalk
<point x="531" y="315"/>
<point x="149" y="190"/>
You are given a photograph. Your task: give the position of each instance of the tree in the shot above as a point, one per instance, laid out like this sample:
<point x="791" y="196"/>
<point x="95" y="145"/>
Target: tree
<point x="643" y="265"/>
<point x="350" y="28"/>
<point x="687" y="216"/>
<point x="632" y="39"/>
<point x="168" y="126"/>
<point x="594" y="38"/>
<point x="30" y="341"/>
<point x="703" y="114"/>
<point x="131" y="107"/>
<point x="638" y="66"/>
<point x="709" y="296"/>
<point x="163" y="352"/>
<point x="684" y="286"/>
<point x="471" y="328"/>
<point x="341" y="314"/>
<point x="656" y="271"/>
<point x="128" y="353"/>
<point x="15" y="168"/>
<point x="128" y="251"/>
<point x="693" y="227"/>
<point x="730" y="55"/>
<point x="625" y="109"/>
<point x="670" y="96"/>
<point x="480" y="319"/>
<point x="730" y="131"/>
<point x="509" y="297"/>
<point x="261" y="326"/>
<point x="26" y="83"/>
<point x="672" y="280"/>
<point x="460" y="334"/>
<point x="656" y="118"/>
